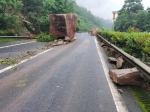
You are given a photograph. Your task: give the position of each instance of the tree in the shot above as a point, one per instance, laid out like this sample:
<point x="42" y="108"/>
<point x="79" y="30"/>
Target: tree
<point x="142" y="20"/>
<point x="35" y="15"/>
<point x="86" y="20"/>
<point x="9" y="11"/>
<point x="127" y="16"/>
<point x="147" y="23"/>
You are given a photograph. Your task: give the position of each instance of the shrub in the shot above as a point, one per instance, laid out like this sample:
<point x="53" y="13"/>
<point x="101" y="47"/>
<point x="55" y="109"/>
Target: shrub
<point x="2" y="33"/>
<point x="132" y="29"/>
<point x="45" y="37"/>
<point x="10" y="32"/>
<point x="134" y="43"/>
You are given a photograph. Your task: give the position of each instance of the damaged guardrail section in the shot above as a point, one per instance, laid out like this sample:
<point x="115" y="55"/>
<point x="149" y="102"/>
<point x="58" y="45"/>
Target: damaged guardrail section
<point x="144" y="69"/>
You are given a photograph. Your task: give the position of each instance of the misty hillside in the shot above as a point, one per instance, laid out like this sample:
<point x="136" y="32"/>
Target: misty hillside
<point x="21" y="16"/>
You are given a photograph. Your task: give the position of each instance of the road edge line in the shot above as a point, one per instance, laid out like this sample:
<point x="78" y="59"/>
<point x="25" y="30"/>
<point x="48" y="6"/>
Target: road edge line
<point x="120" y="106"/>
<point x="23" y="61"/>
<point x="16" y="44"/>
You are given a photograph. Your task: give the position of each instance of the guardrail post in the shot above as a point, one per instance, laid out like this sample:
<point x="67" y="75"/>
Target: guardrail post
<point x="143" y="58"/>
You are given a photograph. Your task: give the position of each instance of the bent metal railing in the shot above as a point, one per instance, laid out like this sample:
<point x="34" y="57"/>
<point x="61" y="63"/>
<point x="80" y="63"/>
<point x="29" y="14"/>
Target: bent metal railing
<point x="144" y="69"/>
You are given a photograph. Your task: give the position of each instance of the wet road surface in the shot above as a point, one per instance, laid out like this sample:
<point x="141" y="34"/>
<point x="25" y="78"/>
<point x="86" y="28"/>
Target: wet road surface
<point x="68" y="78"/>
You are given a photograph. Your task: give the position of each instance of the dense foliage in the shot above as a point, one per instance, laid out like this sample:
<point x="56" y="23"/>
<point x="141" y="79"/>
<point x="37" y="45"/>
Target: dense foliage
<point x="9" y="21"/>
<point x="45" y="38"/>
<point x="17" y="16"/>
<point x="133" y="14"/>
<point x="135" y="43"/>
<point x="86" y="20"/>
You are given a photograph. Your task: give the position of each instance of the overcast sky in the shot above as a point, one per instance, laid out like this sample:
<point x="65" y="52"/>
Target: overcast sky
<point x="104" y="8"/>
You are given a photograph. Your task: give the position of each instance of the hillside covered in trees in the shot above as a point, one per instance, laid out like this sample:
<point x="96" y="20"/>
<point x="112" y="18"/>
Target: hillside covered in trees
<point x="18" y="16"/>
<point x="133" y="14"/>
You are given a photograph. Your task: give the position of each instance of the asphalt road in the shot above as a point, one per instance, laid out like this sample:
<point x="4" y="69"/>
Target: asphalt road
<point x="68" y="78"/>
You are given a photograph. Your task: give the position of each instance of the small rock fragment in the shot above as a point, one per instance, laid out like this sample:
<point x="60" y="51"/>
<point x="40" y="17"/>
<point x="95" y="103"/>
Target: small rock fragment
<point x="119" y="62"/>
<point x="60" y="42"/>
<point x="65" y="43"/>
<point x="55" y="40"/>
<point x="120" y="91"/>
<point x="111" y="59"/>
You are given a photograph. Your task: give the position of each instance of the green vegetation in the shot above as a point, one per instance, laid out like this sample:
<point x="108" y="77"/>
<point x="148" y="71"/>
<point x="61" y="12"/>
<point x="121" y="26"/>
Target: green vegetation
<point x="9" y="12"/>
<point x="86" y="20"/>
<point x="31" y="53"/>
<point x="3" y="40"/>
<point x="45" y="38"/>
<point x="9" y="61"/>
<point x="18" y="16"/>
<point x="134" y="43"/>
<point x="133" y="14"/>
<point x="142" y="97"/>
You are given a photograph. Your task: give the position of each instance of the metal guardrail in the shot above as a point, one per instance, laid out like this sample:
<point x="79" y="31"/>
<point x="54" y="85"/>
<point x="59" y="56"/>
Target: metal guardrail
<point x="144" y="69"/>
<point x="27" y="37"/>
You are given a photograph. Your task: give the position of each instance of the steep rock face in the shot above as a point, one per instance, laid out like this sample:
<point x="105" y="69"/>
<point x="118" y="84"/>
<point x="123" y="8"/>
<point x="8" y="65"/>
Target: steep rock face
<point x="63" y="25"/>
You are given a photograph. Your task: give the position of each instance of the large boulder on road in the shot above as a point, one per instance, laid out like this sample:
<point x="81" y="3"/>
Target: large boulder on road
<point x="94" y="31"/>
<point x="63" y="25"/>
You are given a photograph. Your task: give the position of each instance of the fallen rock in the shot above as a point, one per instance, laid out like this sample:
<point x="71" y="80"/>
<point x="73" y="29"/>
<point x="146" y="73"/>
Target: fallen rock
<point x="63" y="25"/>
<point x="54" y="45"/>
<point x="120" y="91"/>
<point x="112" y="60"/>
<point x="55" y="40"/>
<point x="110" y="49"/>
<point x="67" y="38"/>
<point x="60" y="42"/>
<point x="129" y="76"/>
<point x="64" y="43"/>
<point x="119" y="62"/>
<point x="94" y="31"/>
<point x="102" y="44"/>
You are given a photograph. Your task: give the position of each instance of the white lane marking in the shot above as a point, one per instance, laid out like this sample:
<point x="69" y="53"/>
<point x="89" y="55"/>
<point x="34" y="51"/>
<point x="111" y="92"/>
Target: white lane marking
<point x="10" y="67"/>
<point x="116" y="96"/>
<point x="16" y="44"/>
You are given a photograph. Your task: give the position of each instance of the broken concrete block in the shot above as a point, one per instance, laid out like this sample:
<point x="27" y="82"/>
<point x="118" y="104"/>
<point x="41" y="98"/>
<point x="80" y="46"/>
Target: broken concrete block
<point x="63" y="25"/>
<point x="129" y="76"/>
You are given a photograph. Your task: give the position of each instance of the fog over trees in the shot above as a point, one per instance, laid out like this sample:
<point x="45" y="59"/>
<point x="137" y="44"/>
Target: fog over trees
<point x="17" y="16"/>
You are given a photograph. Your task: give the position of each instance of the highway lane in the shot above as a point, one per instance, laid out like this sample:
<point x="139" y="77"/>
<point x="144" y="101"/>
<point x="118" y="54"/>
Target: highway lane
<point x="18" y="41"/>
<point x="13" y="50"/>
<point x="18" y="50"/>
<point x="67" y="78"/>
